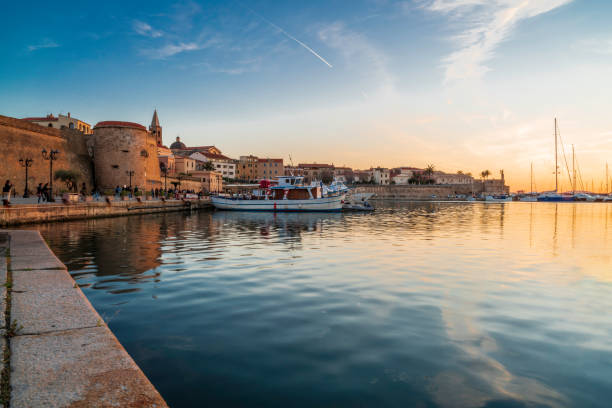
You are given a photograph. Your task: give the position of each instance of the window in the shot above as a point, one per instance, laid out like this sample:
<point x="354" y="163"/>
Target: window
<point x="115" y="166"/>
<point x="71" y="125"/>
<point x="50" y="124"/>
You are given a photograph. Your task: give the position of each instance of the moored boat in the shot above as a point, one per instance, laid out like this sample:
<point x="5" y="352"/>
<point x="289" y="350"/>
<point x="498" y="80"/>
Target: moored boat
<point x="284" y="194"/>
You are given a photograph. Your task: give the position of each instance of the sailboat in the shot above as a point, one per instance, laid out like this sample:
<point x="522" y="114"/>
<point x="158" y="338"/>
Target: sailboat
<point x="554" y="196"/>
<point x="531" y="197"/>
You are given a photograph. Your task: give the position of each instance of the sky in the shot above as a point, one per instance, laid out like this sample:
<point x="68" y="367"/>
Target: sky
<point x="462" y="84"/>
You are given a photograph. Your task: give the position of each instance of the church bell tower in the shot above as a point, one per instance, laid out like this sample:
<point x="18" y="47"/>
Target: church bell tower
<point x="156" y="129"/>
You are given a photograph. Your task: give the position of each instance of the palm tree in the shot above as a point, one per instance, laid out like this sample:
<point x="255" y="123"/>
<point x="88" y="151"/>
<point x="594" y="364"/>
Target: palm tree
<point x="485" y="174"/>
<point x="429" y="171"/>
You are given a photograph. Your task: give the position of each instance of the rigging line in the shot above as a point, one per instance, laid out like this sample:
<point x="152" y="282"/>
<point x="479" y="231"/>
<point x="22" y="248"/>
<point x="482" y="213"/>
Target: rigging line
<point x="564" y="157"/>
<point x="580" y="176"/>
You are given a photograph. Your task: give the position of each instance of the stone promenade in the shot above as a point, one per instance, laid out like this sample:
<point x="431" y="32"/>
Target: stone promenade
<point x="58" y="352"/>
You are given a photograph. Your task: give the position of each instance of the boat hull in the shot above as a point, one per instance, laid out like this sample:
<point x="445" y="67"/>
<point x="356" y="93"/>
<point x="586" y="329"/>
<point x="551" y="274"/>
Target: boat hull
<point x="556" y="199"/>
<point x="325" y="204"/>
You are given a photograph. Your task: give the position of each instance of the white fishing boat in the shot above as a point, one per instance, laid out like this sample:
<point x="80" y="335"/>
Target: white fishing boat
<point x="286" y="193"/>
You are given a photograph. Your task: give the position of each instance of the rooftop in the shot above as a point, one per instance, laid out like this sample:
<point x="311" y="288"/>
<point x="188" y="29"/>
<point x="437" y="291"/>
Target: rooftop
<point x="116" y="123"/>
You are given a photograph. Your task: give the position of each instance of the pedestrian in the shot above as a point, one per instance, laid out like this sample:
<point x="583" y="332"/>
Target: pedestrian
<point x="6" y="190"/>
<point x="117" y="191"/>
<point x="45" y="192"/>
<point x="39" y="192"/>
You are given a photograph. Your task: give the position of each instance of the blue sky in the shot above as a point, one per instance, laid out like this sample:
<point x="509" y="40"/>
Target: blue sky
<point x="464" y="84"/>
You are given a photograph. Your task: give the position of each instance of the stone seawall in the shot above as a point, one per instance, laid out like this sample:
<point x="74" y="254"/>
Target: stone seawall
<point x="416" y="192"/>
<point x="28" y="214"/>
<point x="58" y="351"/>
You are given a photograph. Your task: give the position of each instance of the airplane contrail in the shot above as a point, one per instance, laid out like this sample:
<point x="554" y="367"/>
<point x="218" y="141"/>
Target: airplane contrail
<point x="313" y="52"/>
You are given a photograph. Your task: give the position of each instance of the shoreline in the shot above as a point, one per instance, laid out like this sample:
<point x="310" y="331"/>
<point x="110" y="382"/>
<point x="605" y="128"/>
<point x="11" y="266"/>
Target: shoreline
<point x="42" y="213"/>
<point x="58" y="350"/>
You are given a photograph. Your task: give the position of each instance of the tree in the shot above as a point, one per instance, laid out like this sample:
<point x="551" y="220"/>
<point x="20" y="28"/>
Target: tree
<point x="209" y="166"/>
<point x="326" y="176"/>
<point x="70" y="177"/>
<point x="485" y="174"/>
<point x="459" y="171"/>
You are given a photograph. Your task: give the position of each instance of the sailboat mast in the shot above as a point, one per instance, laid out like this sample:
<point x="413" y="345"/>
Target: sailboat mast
<point x="607" y="180"/>
<point x="556" y="161"/>
<point x="573" y="170"/>
<point x="531" y="179"/>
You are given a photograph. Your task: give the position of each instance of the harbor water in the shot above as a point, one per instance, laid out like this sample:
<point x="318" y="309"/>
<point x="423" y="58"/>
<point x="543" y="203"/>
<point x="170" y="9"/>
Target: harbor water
<point x="417" y="304"/>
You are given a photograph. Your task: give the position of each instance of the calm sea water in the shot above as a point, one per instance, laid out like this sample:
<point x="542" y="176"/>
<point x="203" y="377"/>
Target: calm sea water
<point x="429" y="305"/>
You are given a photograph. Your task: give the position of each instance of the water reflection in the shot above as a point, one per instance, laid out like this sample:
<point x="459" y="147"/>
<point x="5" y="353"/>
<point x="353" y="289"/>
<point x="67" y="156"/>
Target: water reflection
<point x="418" y="304"/>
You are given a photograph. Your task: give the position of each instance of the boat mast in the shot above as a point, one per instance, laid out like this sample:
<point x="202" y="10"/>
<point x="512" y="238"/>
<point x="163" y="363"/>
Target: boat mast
<point x="607" y="180"/>
<point x="556" y="161"/>
<point x="531" y="179"/>
<point x="573" y="170"/>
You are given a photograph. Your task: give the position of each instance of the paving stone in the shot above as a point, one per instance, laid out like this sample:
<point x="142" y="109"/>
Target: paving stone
<point x="77" y="368"/>
<point x="45" y="301"/>
<point x="30" y="263"/>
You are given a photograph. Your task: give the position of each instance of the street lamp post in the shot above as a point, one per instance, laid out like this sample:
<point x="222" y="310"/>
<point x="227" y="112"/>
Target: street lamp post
<point x="27" y="163"/>
<point x="130" y="173"/>
<point x="51" y="156"/>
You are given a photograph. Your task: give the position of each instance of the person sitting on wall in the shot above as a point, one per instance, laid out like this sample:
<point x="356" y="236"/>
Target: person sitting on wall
<point x="117" y="191"/>
<point x="6" y="191"/>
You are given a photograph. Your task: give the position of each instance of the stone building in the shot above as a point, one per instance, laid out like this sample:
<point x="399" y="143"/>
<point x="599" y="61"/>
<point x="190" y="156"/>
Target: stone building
<point x="270" y="168"/>
<point x="156" y="129"/>
<point x="121" y="148"/>
<point x="21" y="139"/>
<point x="247" y="168"/>
<point x="60" y="121"/>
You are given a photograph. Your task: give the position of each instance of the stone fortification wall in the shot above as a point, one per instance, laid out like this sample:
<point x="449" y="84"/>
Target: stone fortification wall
<point x="120" y="147"/>
<point x="21" y="140"/>
<point x="416" y="192"/>
<point x="28" y="214"/>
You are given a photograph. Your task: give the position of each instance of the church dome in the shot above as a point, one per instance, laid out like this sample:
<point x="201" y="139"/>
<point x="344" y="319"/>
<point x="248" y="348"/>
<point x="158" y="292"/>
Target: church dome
<point x="178" y="144"/>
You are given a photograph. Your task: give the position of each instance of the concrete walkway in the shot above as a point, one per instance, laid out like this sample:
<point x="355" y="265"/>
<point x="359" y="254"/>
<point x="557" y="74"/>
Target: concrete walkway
<point x="62" y="354"/>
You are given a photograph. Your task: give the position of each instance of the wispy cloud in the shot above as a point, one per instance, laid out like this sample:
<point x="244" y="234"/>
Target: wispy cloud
<point x="486" y="24"/>
<point x="169" y="50"/>
<point x="46" y="43"/>
<point x="142" y="28"/>
<point x="286" y="34"/>
<point x="359" y="52"/>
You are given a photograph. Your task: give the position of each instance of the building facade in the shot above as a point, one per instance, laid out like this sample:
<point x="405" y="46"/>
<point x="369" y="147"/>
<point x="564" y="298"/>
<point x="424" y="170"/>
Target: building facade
<point x="247" y="168"/>
<point x="270" y="168"/>
<point x="380" y="175"/>
<point x="61" y="120"/>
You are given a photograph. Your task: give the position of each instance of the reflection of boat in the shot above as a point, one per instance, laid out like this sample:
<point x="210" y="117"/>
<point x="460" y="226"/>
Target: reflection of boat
<point x="288" y="194"/>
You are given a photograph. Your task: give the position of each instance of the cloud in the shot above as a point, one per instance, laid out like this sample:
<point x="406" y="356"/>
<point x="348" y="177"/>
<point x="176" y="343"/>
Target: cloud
<point x="46" y="43"/>
<point x="142" y="28"/>
<point x="359" y="52"/>
<point x="169" y="50"/>
<point x="486" y="24"/>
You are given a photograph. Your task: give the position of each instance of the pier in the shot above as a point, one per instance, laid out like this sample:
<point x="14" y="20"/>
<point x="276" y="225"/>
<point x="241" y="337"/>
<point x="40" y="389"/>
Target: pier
<point x="57" y="350"/>
<point x="36" y="213"/>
